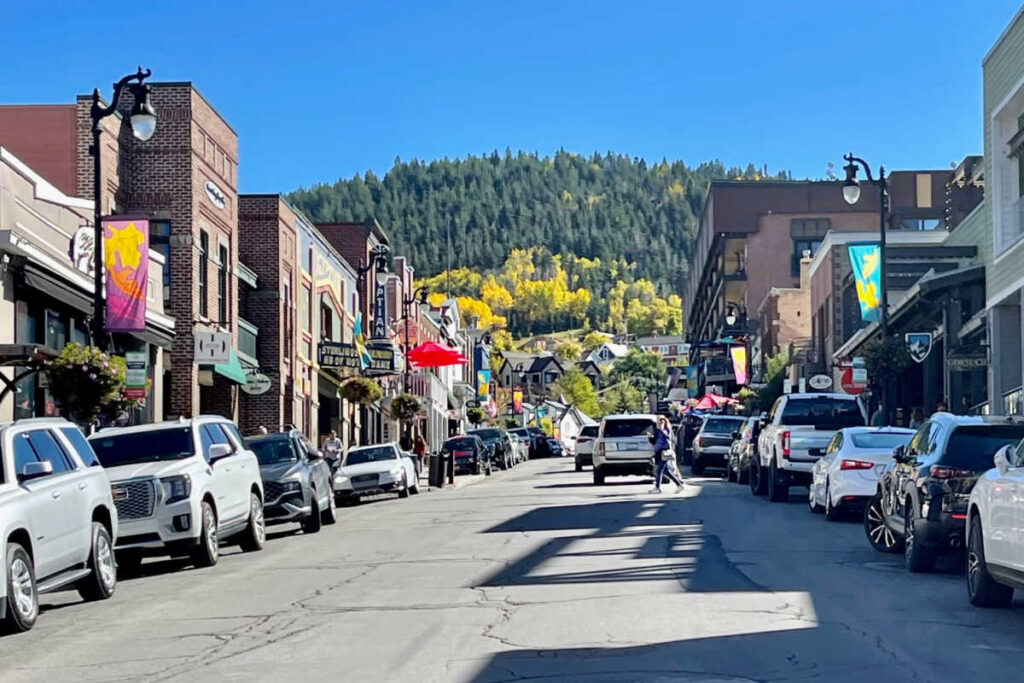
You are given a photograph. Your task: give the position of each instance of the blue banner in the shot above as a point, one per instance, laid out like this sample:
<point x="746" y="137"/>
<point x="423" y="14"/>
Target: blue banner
<point x="865" y="261"/>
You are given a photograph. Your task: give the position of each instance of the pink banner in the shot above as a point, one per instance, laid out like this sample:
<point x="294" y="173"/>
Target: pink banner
<point x="739" y="363"/>
<point x="126" y="262"/>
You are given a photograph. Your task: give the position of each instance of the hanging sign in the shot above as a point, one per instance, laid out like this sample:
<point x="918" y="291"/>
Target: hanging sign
<point x="517" y="402"/>
<point x="380" y="312"/>
<point x="136" y="371"/>
<point x="864" y="259"/>
<point x="919" y="344"/>
<point x="256" y="383"/>
<point x="483" y="385"/>
<point x="126" y="262"/>
<point x="820" y="382"/>
<point x="739" y="363"/>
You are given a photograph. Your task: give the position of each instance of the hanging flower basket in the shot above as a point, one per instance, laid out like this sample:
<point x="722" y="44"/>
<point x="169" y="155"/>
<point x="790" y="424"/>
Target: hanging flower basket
<point x="475" y="415"/>
<point x="405" y="407"/>
<point x="87" y="383"/>
<point x="361" y="390"/>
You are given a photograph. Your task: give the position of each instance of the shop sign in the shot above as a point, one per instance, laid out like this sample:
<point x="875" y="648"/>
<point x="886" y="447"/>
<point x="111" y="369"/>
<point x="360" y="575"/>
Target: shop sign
<point x="212" y="348"/>
<point x="136" y="371"/>
<point x="338" y="355"/>
<point x="854" y="380"/>
<point x="820" y="382"/>
<point x="256" y="384"/>
<point x="216" y="195"/>
<point x="82" y="249"/>
<point x="382" y="359"/>
<point x="967" y="362"/>
<point x="380" y="312"/>
<point x="919" y="344"/>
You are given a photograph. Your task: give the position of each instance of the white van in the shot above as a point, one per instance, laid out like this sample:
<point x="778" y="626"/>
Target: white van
<point x="624" y="446"/>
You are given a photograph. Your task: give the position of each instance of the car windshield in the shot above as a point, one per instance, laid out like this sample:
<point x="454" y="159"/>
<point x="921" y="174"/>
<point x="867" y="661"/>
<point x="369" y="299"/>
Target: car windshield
<point x="722" y="425"/>
<point x="973" y="447"/>
<point x="488" y="434"/>
<point x="459" y="445"/>
<point x="824" y="413"/>
<point x="589" y="431"/>
<point x="273" y="451"/>
<point x="624" y="428"/>
<point x="133" y="448"/>
<point x="881" y="440"/>
<point x="369" y="455"/>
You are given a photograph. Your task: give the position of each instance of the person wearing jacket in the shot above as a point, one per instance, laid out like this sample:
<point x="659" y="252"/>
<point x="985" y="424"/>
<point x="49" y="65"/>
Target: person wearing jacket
<point x="663" y="455"/>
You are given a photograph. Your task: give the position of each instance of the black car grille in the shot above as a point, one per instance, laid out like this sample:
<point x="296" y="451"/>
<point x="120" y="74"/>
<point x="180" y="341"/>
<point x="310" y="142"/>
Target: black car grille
<point x="364" y="481"/>
<point x="133" y="499"/>
<point x="272" y="490"/>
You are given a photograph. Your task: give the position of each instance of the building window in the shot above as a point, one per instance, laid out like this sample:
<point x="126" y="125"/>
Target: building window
<point x="160" y="241"/>
<point x="204" y="267"/>
<point x="222" y="285"/>
<point x="799" y="247"/>
<point x="286" y="316"/>
<point x="326" y="323"/>
<point x="304" y="306"/>
<point x="920" y="224"/>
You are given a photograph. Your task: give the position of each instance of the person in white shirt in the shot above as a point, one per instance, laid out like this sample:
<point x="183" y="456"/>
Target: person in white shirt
<point x="332" y="446"/>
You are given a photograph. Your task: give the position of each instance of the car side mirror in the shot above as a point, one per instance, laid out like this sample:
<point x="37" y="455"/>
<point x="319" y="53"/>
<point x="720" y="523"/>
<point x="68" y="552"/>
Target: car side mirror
<point x="1002" y="459"/>
<point x="313" y="454"/>
<point x="899" y="454"/>
<point x="219" y="451"/>
<point x="35" y="470"/>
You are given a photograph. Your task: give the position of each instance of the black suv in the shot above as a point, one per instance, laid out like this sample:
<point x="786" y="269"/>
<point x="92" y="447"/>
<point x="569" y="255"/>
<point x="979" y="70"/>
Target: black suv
<point x="296" y="480"/>
<point x="494" y="439"/>
<point x="921" y="503"/>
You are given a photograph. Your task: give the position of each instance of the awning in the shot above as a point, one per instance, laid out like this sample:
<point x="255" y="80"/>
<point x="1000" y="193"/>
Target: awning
<point x="232" y="369"/>
<point x="39" y="278"/>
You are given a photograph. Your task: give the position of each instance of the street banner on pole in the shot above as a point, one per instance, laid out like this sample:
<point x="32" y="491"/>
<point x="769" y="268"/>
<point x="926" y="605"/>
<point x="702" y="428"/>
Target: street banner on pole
<point x="864" y="259"/>
<point x="517" y="402"/>
<point x="483" y="385"/>
<point x="739" y="363"/>
<point x="126" y="262"/>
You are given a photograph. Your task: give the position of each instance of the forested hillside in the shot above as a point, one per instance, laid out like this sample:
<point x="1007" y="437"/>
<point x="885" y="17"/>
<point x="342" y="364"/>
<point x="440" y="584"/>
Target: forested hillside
<point x="609" y="207"/>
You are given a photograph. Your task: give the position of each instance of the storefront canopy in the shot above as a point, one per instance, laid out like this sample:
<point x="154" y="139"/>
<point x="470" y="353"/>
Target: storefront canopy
<point x="232" y="370"/>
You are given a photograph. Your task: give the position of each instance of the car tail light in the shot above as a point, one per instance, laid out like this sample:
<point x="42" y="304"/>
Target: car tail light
<point x="941" y="472"/>
<point x="700" y="442"/>
<point x="856" y="465"/>
<point x="785" y="444"/>
<point x="600" y="448"/>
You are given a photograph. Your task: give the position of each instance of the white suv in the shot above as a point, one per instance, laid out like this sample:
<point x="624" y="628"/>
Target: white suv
<point x="624" y="446"/>
<point x="182" y="487"/>
<point x="57" y="518"/>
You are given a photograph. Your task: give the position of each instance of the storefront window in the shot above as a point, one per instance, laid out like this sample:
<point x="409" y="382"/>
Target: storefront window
<point x="56" y="331"/>
<point x="304" y="308"/>
<point x="222" y="284"/>
<point x="160" y="241"/>
<point x="204" y="271"/>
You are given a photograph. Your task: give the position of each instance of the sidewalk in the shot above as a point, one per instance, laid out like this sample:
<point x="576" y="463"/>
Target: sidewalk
<point x="461" y="481"/>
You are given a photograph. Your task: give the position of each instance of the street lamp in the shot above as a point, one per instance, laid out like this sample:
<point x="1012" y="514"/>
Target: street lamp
<point x="730" y="316"/>
<point x="851" y="193"/>
<point x="418" y="296"/>
<point x="143" y="122"/>
<point x="379" y="261"/>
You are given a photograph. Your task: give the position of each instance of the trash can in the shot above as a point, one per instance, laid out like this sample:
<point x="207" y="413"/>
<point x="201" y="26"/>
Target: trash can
<point x="435" y="475"/>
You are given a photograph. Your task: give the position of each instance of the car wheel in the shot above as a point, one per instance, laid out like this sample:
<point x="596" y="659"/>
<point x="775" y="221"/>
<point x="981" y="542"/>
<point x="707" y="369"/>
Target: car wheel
<point x="330" y="515"/>
<point x="255" y="534"/>
<point x="982" y="589"/>
<point x="880" y="536"/>
<point x="102" y="579"/>
<point x="22" y="594"/>
<point x="579" y="465"/>
<point x="917" y="557"/>
<point x="778" y="492"/>
<point x="312" y="523"/>
<point x="598" y="477"/>
<point x="208" y="551"/>
<point x="832" y="513"/>
<point x="756" y="478"/>
<point x="404" y="491"/>
<point x="743" y="475"/>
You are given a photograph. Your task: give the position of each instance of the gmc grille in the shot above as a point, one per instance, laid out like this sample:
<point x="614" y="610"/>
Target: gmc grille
<point x="133" y="499"/>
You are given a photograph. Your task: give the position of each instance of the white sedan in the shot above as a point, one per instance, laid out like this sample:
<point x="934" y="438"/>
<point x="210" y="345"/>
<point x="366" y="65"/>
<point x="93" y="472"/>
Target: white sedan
<point x="381" y="468"/>
<point x="846" y="476"/>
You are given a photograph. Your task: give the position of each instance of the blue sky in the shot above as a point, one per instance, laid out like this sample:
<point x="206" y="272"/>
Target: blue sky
<point x="324" y="90"/>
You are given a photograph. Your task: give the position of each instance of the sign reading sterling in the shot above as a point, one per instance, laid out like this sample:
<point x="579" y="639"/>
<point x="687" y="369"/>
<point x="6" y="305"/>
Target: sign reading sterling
<point x="346" y="357"/>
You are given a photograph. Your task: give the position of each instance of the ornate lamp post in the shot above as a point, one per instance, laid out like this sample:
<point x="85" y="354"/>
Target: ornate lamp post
<point x="418" y="296"/>
<point x="143" y="121"/>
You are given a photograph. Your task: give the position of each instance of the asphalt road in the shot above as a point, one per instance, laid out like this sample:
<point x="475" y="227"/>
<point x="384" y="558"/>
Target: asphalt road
<point x="536" y="575"/>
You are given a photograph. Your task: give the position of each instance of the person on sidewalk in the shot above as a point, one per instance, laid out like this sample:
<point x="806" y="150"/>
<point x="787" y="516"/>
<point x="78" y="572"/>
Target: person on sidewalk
<point x="663" y="456"/>
<point x="419" y="449"/>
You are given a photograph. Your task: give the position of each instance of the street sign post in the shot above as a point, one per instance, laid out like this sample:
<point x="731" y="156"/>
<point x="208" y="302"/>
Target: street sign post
<point x="136" y="371"/>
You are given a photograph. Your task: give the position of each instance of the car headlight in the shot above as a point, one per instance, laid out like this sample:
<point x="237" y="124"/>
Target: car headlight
<point x="177" y="488"/>
<point x="395" y="471"/>
<point x="340" y="479"/>
<point x="291" y="487"/>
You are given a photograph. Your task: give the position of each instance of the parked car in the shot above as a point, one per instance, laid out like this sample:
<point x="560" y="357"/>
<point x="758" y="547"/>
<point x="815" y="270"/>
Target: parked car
<point x="296" y="480"/>
<point x="995" y="546"/>
<point x="368" y="470"/>
<point x="181" y="488"/>
<point x="624" y="446"/>
<point x="494" y="439"/>
<point x="585" y="446"/>
<point x="922" y="500"/>
<point x="796" y="424"/>
<point x="742" y="451"/>
<point x="533" y="438"/>
<point x="846" y="476"/>
<point x="555" y="448"/>
<point x="58" y="522"/>
<point x="538" y="443"/>
<point x="515" y="446"/>
<point x="713" y="441"/>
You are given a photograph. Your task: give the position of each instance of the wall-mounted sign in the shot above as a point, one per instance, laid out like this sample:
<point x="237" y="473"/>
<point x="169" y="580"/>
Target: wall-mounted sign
<point x="136" y="371"/>
<point x="338" y="355"/>
<point x="967" y="362"/>
<point x="256" y="383"/>
<point x="919" y="344"/>
<point x="380" y="312"/>
<point x="820" y="382"/>
<point x="82" y="251"/>
<point x="212" y="348"/>
<point x="216" y="195"/>
<point x="854" y="380"/>
<point x="382" y="358"/>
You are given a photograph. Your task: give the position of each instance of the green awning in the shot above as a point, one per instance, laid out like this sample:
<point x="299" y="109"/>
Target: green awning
<point x="232" y="369"/>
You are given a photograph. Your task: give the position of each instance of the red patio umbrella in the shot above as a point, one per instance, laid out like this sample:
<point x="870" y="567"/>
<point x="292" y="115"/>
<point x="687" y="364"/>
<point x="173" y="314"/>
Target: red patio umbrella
<point x="722" y="400"/>
<point x="706" y="403"/>
<point x="434" y="355"/>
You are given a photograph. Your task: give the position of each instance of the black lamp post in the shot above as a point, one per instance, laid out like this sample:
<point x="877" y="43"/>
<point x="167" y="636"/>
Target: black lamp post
<point x="143" y="121"/>
<point x="418" y="296"/>
<point x="379" y="261"/>
<point x="851" y="193"/>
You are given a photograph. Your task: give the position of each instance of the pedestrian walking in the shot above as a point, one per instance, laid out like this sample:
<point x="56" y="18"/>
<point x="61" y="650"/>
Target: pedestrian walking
<point x="419" y="449"/>
<point x="333" y="446"/>
<point x="663" y="456"/>
<point x="878" y="417"/>
<point x="916" y="418"/>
